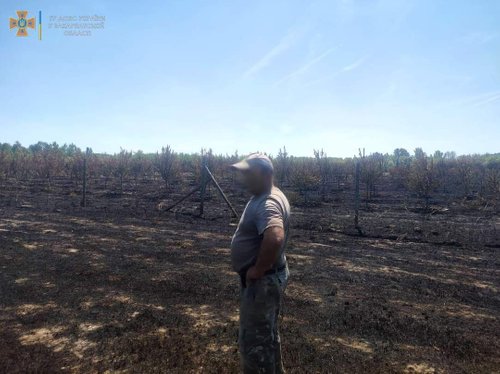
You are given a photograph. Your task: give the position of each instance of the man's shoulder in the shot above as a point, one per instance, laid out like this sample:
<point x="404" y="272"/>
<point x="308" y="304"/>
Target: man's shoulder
<point x="276" y="192"/>
<point x="274" y="197"/>
<point x="279" y="197"/>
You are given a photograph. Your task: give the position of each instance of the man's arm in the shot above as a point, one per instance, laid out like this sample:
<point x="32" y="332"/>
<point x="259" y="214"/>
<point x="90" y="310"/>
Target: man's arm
<point x="268" y="253"/>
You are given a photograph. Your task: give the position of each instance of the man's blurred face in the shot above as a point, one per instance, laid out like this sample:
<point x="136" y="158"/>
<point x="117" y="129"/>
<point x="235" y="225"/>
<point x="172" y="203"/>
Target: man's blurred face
<point x="255" y="180"/>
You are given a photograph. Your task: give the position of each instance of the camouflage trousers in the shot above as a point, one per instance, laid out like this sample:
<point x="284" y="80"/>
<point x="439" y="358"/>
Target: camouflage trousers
<point x="259" y="340"/>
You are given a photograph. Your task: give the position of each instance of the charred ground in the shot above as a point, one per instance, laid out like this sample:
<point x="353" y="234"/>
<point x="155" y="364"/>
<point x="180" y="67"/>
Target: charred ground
<point x="121" y="286"/>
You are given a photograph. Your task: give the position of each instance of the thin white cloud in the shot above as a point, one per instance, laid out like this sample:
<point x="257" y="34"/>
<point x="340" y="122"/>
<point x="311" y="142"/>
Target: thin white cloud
<point x="306" y="66"/>
<point x="484" y="99"/>
<point x="478" y="37"/>
<point x="283" y="45"/>
<point x="345" y="69"/>
<point x="356" y="64"/>
<point x="474" y="101"/>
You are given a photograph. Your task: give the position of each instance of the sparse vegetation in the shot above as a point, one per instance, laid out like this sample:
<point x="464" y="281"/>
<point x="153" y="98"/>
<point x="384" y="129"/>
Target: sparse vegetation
<point x="122" y="286"/>
<point x="166" y="164"/>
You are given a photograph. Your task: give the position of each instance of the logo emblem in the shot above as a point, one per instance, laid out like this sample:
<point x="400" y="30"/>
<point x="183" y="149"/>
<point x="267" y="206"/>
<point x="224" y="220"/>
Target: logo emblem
<point x="22" y="23"/>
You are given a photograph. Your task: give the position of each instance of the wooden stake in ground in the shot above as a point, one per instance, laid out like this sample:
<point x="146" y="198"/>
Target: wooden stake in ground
<point x="83" y="203"/>
<point x="205" y="179"/>
<point x="196" y="189"/>
<point x="203" y="183"/>
<point x="356" y="197"/>
<point x="222" y="192"/>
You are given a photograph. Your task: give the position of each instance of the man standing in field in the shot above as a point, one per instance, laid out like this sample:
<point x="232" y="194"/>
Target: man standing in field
<point x="258" y="256"/>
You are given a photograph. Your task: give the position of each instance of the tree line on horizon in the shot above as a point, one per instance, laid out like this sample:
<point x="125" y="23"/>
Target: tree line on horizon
<point x="419" y="173"/>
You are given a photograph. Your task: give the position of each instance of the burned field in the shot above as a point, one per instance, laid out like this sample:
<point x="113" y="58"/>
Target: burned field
<point x="120" y="286"/>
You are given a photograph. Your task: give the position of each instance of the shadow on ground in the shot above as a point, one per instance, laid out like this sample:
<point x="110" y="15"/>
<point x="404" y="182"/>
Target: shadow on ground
<point x="89" y="295"/>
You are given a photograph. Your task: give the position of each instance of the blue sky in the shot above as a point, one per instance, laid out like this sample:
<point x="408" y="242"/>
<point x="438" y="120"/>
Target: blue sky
<point x="257" y="75"/>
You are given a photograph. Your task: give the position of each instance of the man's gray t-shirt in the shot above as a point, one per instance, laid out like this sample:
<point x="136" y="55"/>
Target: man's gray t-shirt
<point x="262" y="212"/>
